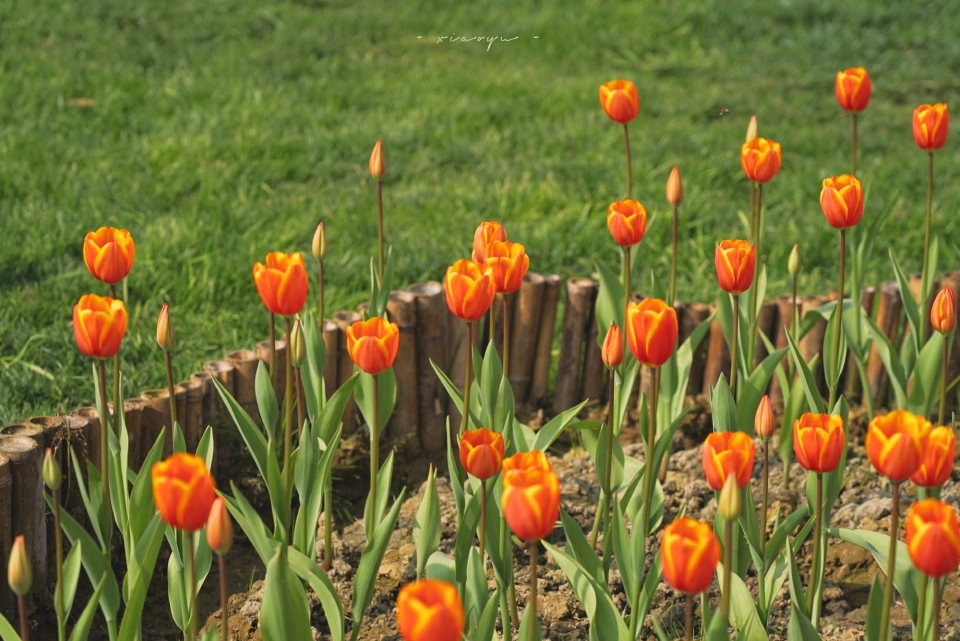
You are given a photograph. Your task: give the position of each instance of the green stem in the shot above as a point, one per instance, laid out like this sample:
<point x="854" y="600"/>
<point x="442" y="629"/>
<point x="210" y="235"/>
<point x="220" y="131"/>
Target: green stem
<point x="817" y="535"/>
<point x="926" y="277"/>
<point x="626" y="144"/>
<point x="921" y="608"/>
<point x="688" y="618"/>
<point x="117" y="403"/>
<point x="224" y="600"/>
<point x="673" y="258"/>
<point x="892" y="562"/>
<point x="532" y="603"/>
<point x="273" y="348"/>
<point x="106" y="516"/>
<point x="598" y="517"/>
<point x="58" y="594"/>
<point x="854" y="172"/>
<point x="301" y="413"/>
<point x="24" y="625"/>
<point x="838" y="330"/>
<point x="936" y="610"/>
<point x="607" y="466"/>
<point x="467" y="380"/>
<point x="943" y="381"/>
<point x="765" y="480"/>
<point x="483" y="520"/>
<point x="506" y="335"/>
<point x="374" y="452"/>
<point x="734" y="365"/>
<point x="380" y="228"/>
<point x="649" y="453"/>
<point x="752" y="312"/>
<point x="171" y="388"/>
<point x="193" y="587"/>
<point x="865" y="389"/>
<point x="727" y="563"/>
<point x="320" y="303"/>
<point x="328" y="526"/>
<point x="288" y="435"/>
<point x="626" y="283"/>
<point x="492" y="326"/>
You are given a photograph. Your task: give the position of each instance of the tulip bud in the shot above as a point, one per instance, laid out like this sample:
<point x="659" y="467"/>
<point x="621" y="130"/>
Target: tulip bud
<point x="729" y="506"/>
<point x="763" y="422"/>
<point x="943" y="313"/>
<point x="166" y="337"/>
<point x="674" y="187"/>
<point x="378" y="165"/>
<point x="320" y="243"/>
<point x="298" y="346"/>
<point x="612" y="351"/>
<point x="219" y="527"/>
<point x="19" y="573"/>
<point x="51" y="471"/>
<point x="793" y="263"/>
<point x="752" y="128"/>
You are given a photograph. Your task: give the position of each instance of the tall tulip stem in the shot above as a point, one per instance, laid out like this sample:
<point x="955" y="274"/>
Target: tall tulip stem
<point x="626" y="145"/>
<point x="927" y="277"/>
<point x="380" y="228"/>
<point x="754" y="294"/>
<point x="106" y="523"/>
<point x="224" y="600"/>
<point x="467" y="380"/>
<point x="854" y="171"/>
<point x="892" y="561"/>
<point x="817" y="536"/>
<point x="626" y="281"/>
<point x="298" y="384"/>
<point x="328" y="526"/>
<point x="922" y="608"/>
<point x="193" y="587"/>
<point x="673" y="258"/>
<point x="171" y="389"/>
<point x="765" y="481"/>
<point x="532" y="603"/>
<point x="607" y="465"/>
<point x="727" y="562"/>
<point x="320" y="302"/>
<point x="483" y="520"/>
<point x="273" y="348"/>
<point x="374" y="451"/>
<point x="649" y="452"/>
<point x="937" y="596"/>
<point x="288" y="432"/>
<point x="734" y="365"/>
<point x="506" y="335"/>
<point x="688" y="618"/>
<point x="117" y="403"/>
<point x="838" y="330"/>
<point x="24" y="625"/>
<point x="943" y="381"/>
<point x="58" y="591"/>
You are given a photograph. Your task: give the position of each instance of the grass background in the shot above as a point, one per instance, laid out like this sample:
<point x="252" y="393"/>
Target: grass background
<point x="222" y="129"/>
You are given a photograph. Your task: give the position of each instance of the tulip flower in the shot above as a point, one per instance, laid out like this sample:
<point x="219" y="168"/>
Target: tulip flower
<point x="282" y="283"/>
<point x="763" y="426"/>
<point x="486" y="233"/>
<point x="167" y="339"/>
<point x="933" y="542"/>
<point x="612" y="350"/>
<point x="763" y="422"/>
<point x="19" y="572"/>
<point x="728" y="454"/>
<point x="99" y="325"/>
<point x="751" y="128"/>
<point x="183" y="490"/>
<point x="508" y="264"/>
<point x="377" y="164"/>
<point x="652" y="331"/>
<point x="430" y="610"/>
<point x="760" y="159"/>
<point x="108" y="253"/>
<point x="220" y="539"/>
<point x="735" y="261"/>
<point x="481" y="452"/>
<point x="319" y="244"/>
<point x="818" y="442"/>
<point x="469" y="290"/>
<point x="689" y="553"/>
<point x="939" y="447"/>
<point x="793" y="261"/>
<point x="674" y="197"/>
<point x="531" y="495"/>
<point x="853" y="89"/>
<point x="674" y="187"/>
<point x="53" y="478"/>
<point x="930" y="124"/>
<point x="373" y="344"/>
<point x="378" y="167"/>
<point x="841" y="200"/>
<point x="620" y="100"/>
<point x="943" y="313"/>
<point x="627" y="221"/>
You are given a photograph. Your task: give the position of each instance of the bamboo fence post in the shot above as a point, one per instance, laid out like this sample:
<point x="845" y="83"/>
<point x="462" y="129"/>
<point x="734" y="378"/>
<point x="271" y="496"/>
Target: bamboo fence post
<point x="852" y="389"/>
<point x="523" y="333"/>
<point x="431" y="346"/>
<point x="812" y="343"/>
<point x="245" y="363"/>
<point x="581" y="292"/>
<point x="193" y="417"/>
<point x="543" y="355"/>
<point x="456" y="348"/>
<point x="27" y="505"/>
<point x="133" y="419"/>
<point x="888" y="321"/>
<point x="690" y="317"/>
<point x="718" y="356"/>
<point x="280" y="375"/>
<point x="403" y="424"/>
<point x="91" y="434"/>
<point x="32" y="432"/>
<point x="330" y="342"/>
<point x="766" y="325"/>
<point x="224" y="436"/>
<point x="344" y="319"/>
<point x="156" y="416"/>
<point x="75" y="430"/>
<point x="783" y="325"/>
<point x="593" y="385"/>
<point x="6" y="536"/>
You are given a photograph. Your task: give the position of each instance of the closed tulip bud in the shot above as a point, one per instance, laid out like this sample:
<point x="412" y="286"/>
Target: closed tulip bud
<point x="735" y="261"/>
<point x="282" y="283"/>
<point x="19" y="572"/>
<point x="752" y="128"/>
<point x="689" y="554"/>
<point x="469" y="290"/>
<point x="219" y="527"/>
<point x="430" y="610"/>
<point x="378" y="164"/>
<point x="760" y="159"/>
<point x="728" y="455"/>
<point x="674" y="187"/>
<point x="894" y="443"/>
<point x="52" y="477"/>
<point x="930" y="124"/>
<point x="487" y="232"/>
<point x="108" y="253"/>
<point x="933" y="537"/>
<point x="943" y="314"/>
<point x="818" y="442"/>
<point x="612" y="351"/>
<point x="627" y="222"/>
<point x="99" y="325"/>
<point x="842" y="201"/>
<point x="763" y="421"/>
<point x="373" y="344"/>
<point x="652" y="331"/>
<point x="481" y="452"/>
<point x="298" y="345"/>
<point x="508" y="263"/>
<point x="166" y="337"/>
<point x="620" y="100"/>
<point x="793" y="263"/>
<point x="939" y="448"/>
<point x="729" y="504"/>
<point x="319" y="246"/>
<point x="852" y="89"/>
<point x="183" y="491"/>
<point x="531" y="495"/>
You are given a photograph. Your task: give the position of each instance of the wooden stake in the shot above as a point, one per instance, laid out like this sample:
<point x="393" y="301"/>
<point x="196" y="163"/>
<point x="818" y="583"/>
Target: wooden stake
<point x="888" y="320"/>
<point x="523" y="334"/>
<point x="581" y="293"/>
<point x="403" y="424"/>
<point x="543" y="356"/>
<point x="690" y="316"/>
<point x="345" y="319"/>
<point x="27" y="505"/>
<point x="718" y="356"/>
<point x="431" y="346"/>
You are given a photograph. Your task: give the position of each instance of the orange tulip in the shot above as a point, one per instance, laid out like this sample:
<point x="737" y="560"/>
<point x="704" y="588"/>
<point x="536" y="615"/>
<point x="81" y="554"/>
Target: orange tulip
<point x="930" y="124"/>
<point x="652" y="331"/>
<point x="470" y="290"/>
<point x="842" y="201"/>
<point x="282" y="283"/>
<point x="689" y="553"/>
<point x="620" y="100"/>
<point x="939" y="448"/>
<point x="763" y="422"/>
<point x="219" y="527"/>
<point x="166" y="337"/>
<point x="19" y="572"/>
<point x="760" y="159"/>
<point x="943" y="314"/>
<point x="430" y="610"/>
<point x="894" y="443"/>
<point x="486" y="233"/>
<point x="751" y="129"/>
<point x="373" y="344"/>
<point x="735" y="261"/>
<point x="531" y="495"/>
<point x="726" y="453"/>
<point x="508" y="263"/>
<point x="674" y="187"/>
<point x="627" y="222"/>
<point x="109" y="253"/>
<point x="853" y="89"/>
<point x="377" y="164"/>
<point x="99" y="324"/>
<point x="818" y="441"/>
<point x="612" y="351"/>
<point x="933" y="537"/>
<point x="481" y="452"/>
<point x="183" y="490"/>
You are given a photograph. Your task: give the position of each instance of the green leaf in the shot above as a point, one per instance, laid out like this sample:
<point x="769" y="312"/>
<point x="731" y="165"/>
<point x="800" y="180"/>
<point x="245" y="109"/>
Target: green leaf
<point x="279" y="502"/>
<point x="138" y="578"/>
<point x="81" y="629"/>
<point x="252" y="436"/>
<point x="312" y="369"/>
<point x="266" y="400"/>
<point x="549" y="432"/>
<point x="609" y="307"/>
<point x="331" y="416"/>
<point x="891" y="362"/>
<point x="754" y="387"/>
<point x="910" y="306"/>
<point x="630" y="373"/>
<point x="486" y="624"/>
<point x="814" y="401"/>
<point x="466" y="531"/>
<point x="309" y="571"/>
<point x="384" y="481"/>
<point x="773" y="582"/>
<point x="426" y="526"/>
<point x="724" y="407"/>
<point x="369" y="565"/>
<point x="875" y="611"/>
<point x="596" y="444"/>
<point x="455" y="472"/>
<point x="579" y="547"/>
<point x="925" y="390"/>
<point x="830" y="370"/>
<point x="800" y="628"/>
<point x="717" y="628"/>
<point x="743" y="611"/>
<point x="71" y="575"/>
<point x="779" y="537"/>
<point x="285" y="613"/>
<point x="491" y="376"/>
<point x="454" y="392"/>
<point x="387" y="393"/>
<point x="141" y="497"/>
<point x="476" y="596"/>
<point x="441" y="567"/>
<point x="624" y="552"/>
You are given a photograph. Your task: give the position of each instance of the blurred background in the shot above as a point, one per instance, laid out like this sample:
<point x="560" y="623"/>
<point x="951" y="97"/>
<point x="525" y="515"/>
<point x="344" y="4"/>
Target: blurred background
<point x="218" y="130"/>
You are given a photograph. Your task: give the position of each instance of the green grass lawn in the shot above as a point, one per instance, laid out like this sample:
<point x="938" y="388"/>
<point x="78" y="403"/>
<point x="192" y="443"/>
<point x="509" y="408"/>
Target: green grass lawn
<point x="223" y="129"/>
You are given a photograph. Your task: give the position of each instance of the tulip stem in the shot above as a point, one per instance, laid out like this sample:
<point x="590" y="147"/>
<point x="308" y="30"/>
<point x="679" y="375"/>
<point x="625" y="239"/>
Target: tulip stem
<point x="727" y="562"/>
<point x="673" y="258"/>
<point x="943" y="380"/>
<point x="506" y="335"/>
<point x="598" y="517"/>
<point x="320" y="302"/>
<point x="532" y="603"/>
<point x="892" y="562"/>
<point x="854" y="171"/>
<point x="380" y="228"/>
<point x="936" y="610"/>
<point x="733" y="345"/>
<point x="224" y="600"/>
<point x="328" y="526"/>
<point x="626" y="281"/>
<point x="374" y="455"/>
<point x="483" y="521"/>
<point x="688" y="619"/>
<point x="24" y="626"/>
<point x="58" y="592"/>
<point x="492" y="325"/>
<point x="817" y="535"/>
<point x="273" y="348"/>
<point x="626" y="144"/>
<point x="752" y="315"/>
<point x="922" y="608"/>
<point x="117" y="403"/>
<point x="467" y="378"/>
<point x="765" y="480"/>
<point x="171" y="390"/>
<point x="288" y="433"/>
<point x="193" y="587"/>
<point x="649" y="453"/>
<point x="298" y="383"/>
<point x="838" y="330"/>
<point x="106" y="524"/>
<point x="607" y="467"/>
<point x="927" y="277"/>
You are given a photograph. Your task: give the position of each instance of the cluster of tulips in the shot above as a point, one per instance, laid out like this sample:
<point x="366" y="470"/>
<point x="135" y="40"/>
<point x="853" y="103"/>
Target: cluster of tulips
<point x="505" y="490"/>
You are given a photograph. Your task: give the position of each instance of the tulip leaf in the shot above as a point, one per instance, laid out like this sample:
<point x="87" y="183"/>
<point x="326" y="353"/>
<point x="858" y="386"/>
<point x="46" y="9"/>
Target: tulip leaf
<point x="81" y="629"/>
<point x="754" y="387"/>
<point x="723" y="406"/>
<point x="650" y="584"/>
<point x="831" y="370"/>
<point x="490" y="379"/>
<point x="925" y="381"/>
<point x="312" y="370"/>
<point x="71" y="576"/>
<point x="800" y="628"/>
<point x="251" y="434"/>
<point x="779" y="537"/>
<point x="814" y="401"/>
<point x="773" y="580"/>
<point x="910" y="306"/>
<point x="475" y="596"/>
<point x="455" y="471"/>
<point x="486" y="623"/>
<point x="609" y="307"/>
<point x="466" y="531"/>
<point x="141" y="496"/>
<point x="624" y="552"/>
<point x="716" y="630"/>
<point x="504" y="417"/>
<point x="675" y="373"/>
<point x="331" y="416"/>
<point x="579" y="547"/>
<point x="384" y="480"/>
<point x="267" y="400"/>
<point x="875" y="611"/>
<point x="285" y="613"/>
<point x="891" y="362"/>
<point x="426" y="525"/>
<point x="743" y="611"/>
<point x="596" y="444"/>
<point x="386" y="392"/>
<point x="441" y="567"/>
<point x="622" y="389"/>
<point x="91" y="496"/>
<point x="137" y="580"/>
<point x="370" y="560"/>
<point x="549" y="433"/>
<point x="453" y="391"/>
